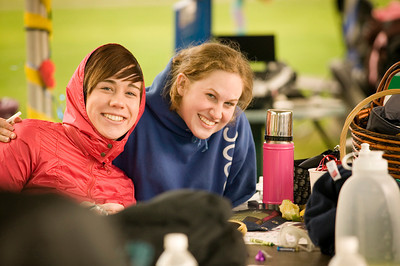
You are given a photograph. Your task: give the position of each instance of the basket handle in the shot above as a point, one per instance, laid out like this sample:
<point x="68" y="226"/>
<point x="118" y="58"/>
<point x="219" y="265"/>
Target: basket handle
<point x="354" y="112"/>
<point x="385" y="81"/>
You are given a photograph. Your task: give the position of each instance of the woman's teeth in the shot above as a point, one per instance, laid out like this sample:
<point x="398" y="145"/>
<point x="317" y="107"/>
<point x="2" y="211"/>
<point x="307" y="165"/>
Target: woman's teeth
<point x="113" y="117"/>
<point x="206" y="121"/>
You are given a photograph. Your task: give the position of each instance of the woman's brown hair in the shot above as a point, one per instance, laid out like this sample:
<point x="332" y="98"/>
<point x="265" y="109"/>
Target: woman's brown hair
<point x="111" y="60"/>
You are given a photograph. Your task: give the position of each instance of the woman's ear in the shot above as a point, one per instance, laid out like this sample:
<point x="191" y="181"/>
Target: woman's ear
<point x="180" y="83"/>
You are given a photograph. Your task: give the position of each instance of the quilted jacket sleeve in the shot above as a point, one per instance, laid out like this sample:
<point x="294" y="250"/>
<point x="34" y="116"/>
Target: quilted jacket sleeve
<point x="17" y="159"/>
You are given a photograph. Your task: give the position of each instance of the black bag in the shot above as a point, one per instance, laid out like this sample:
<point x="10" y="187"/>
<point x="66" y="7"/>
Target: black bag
<point x="202" y="216"/>
<point x="301" y="181"/>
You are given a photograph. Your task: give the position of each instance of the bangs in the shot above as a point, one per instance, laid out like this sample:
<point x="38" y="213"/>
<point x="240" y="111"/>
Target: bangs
<point x="131" y="73"/>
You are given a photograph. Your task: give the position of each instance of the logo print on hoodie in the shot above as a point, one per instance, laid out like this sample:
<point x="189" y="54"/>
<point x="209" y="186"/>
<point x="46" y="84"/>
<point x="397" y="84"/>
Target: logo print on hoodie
<point x="227" y="148"/>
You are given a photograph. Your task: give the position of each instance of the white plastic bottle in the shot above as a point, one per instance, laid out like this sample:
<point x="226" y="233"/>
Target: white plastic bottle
<point x="368" y="208"/>
<point x="347" y="253"/>
<point x="176" y="251"/>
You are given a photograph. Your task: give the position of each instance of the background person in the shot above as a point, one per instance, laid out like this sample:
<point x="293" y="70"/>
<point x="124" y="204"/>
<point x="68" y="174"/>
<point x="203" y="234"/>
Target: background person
<point x="105" y="99"/>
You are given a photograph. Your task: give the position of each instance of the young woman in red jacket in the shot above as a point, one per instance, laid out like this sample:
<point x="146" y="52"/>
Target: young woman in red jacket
<point x="105" y="99"/>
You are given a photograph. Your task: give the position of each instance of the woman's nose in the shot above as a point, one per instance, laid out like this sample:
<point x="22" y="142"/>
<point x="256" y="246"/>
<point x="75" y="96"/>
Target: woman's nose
<point x="117" y="100"/>
<point x="216" y="111"/>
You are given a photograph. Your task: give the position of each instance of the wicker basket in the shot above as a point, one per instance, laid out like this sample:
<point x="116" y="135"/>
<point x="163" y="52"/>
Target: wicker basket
<point x="357" y="120"/>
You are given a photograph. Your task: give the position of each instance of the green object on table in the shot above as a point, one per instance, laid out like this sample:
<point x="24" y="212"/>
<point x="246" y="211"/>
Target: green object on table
<point x="261" y="242"/>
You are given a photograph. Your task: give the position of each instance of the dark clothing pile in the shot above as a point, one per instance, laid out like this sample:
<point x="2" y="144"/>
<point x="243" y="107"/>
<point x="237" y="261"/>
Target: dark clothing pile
<point x="386" y="119"/>
<point x="320" y="211"/>
<point x="201" y="215"/>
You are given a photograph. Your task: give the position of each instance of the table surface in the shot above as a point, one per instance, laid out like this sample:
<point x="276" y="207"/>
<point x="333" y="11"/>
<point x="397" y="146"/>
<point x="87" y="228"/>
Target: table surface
<point x="314" y="258"/>
<point x="301" y="257"/>
<point x="315" y="108"/>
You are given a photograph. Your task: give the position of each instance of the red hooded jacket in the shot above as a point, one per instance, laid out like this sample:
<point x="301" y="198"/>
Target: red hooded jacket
<point x="69" y="158"/>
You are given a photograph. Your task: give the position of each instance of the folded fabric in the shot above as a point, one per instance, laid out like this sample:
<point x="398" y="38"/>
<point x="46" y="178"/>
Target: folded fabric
<point x="392" y="109"/>
<point x="265" y="220"/>
<point x="386" y="119"/>
<point x="320" y="213"/>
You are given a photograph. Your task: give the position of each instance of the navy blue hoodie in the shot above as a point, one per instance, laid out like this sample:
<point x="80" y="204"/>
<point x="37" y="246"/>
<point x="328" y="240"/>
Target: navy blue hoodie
<point x="162" y="154"/>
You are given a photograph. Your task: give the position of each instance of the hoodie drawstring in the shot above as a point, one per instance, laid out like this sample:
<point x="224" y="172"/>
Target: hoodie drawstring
<point x="198" y="141"/>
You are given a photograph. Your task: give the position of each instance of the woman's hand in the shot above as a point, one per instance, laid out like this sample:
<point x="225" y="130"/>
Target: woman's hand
<point x="6" y="129"/>
<point x="103" y="209"/>
<point x="111" y="208"/>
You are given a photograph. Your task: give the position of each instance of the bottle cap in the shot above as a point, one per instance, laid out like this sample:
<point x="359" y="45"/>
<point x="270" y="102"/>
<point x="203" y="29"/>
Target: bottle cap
<point x="369" y="160"/>
<point x="177" y="241"/>
<point x="279" y="124"/>
<point x="347" y="244"/>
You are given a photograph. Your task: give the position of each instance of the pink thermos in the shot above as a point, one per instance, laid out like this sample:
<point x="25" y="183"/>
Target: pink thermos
<point x="278" y="158"/>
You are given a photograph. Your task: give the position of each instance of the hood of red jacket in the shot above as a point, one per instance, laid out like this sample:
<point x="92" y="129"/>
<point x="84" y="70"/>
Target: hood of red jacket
<point x="86" y="134"/>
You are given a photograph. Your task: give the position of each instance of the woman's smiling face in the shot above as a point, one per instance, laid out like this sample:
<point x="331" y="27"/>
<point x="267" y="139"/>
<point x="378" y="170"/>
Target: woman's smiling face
<point x="208" y="105"/>
<point x="113" y="106"/>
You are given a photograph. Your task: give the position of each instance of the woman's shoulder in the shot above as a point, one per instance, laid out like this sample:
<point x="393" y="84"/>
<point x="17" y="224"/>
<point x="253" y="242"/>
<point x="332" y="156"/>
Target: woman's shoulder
<point x="40" y="136"/>
<point x="35" y="124"/>
<point x="240" y="122"/>
<point x="31" y="127"/>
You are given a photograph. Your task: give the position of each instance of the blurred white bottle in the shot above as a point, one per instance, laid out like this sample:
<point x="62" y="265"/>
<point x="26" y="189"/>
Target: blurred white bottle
<point x="347" y="253"/>
<point x="368" y="208"/>
<point x="176" y="251"/>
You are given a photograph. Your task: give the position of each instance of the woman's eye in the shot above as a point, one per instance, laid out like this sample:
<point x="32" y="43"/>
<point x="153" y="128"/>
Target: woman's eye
<point x="210" y="95"/>
<point x="230" y="104"/>
<point x="131" y="93"/>
<point x="106" y="88"/>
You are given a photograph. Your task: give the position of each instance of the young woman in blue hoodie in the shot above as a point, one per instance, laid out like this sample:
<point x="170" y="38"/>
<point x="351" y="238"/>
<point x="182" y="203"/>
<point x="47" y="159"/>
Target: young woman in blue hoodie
<point x="193" y="133"/>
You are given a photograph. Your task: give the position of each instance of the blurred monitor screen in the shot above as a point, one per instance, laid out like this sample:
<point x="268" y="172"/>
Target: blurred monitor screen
<point x="255" y="47"/>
